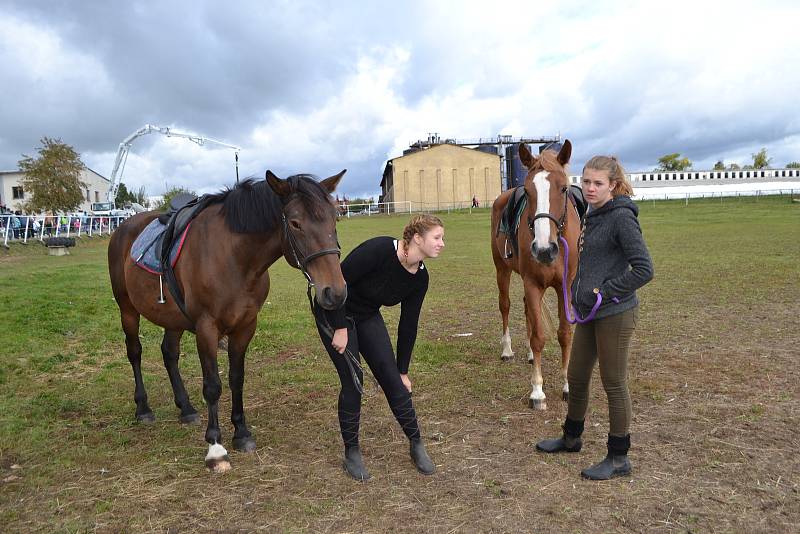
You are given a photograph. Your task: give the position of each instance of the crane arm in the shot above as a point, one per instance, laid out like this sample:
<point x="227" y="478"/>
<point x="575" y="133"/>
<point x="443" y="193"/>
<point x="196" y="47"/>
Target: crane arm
<point x="125" y="146"/>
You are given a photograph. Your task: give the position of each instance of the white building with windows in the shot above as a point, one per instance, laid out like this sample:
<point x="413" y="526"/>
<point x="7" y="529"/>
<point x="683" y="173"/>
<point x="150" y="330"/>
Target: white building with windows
<point x="13" y="196"/>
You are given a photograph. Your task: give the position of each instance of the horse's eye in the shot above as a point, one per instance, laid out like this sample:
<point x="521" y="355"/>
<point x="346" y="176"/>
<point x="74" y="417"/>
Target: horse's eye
<point x="564" y="189"/>
<point x="294" y="224"/>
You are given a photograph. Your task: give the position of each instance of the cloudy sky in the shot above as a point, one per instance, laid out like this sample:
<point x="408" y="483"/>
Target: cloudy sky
<point x="318" y="86"/>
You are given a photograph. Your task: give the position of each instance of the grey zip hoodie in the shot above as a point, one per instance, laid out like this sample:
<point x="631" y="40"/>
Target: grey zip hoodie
<point x="613" y="258"/>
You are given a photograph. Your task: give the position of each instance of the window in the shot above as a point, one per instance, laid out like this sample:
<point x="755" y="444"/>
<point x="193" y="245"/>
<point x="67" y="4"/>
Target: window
<point x="681" y="176"/>
<point x="762" y="174"/>
<point x="97" y="196"/>
<point x="17" y="193"/>
<point x="659" y="176"/>
<point x="726" y="175"/>
<point x="697" y="176"/>
<point x="87" y="196"/>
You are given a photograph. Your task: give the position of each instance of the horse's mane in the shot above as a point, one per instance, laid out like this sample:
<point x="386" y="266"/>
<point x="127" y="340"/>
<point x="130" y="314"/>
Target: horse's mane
<point x="253" y="207"/>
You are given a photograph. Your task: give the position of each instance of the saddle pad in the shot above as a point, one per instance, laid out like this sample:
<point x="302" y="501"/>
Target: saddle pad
<point x="144" y="248"/>
<point x="512" y="213"/>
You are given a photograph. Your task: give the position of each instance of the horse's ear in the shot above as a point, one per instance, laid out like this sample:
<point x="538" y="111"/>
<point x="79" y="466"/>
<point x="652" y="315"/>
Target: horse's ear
<point x="565" y="153"/>
<point x="525" y="155"/>
<point x="329" y="184"/>
<point x="281" y="187"/>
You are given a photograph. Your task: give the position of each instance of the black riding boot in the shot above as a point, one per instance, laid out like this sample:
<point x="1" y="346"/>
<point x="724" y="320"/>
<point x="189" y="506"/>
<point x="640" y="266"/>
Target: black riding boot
<point x="354" y="464"/>
<point x="570" y="441"/>
<point x="420" y="456"/>
<point x="615" y="464"/>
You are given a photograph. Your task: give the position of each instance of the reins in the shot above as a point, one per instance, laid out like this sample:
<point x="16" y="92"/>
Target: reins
<point x="302" y="262"/>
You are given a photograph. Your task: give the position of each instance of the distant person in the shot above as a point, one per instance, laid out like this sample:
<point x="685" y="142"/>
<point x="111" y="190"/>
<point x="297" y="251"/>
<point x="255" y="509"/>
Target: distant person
<point x="382" y="271"/>
<point x="475" y="203"/>
<point x="614" y="262"/>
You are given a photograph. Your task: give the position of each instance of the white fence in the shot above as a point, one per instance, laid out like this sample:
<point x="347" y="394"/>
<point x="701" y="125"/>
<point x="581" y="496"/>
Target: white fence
<point x="22" y="228"/>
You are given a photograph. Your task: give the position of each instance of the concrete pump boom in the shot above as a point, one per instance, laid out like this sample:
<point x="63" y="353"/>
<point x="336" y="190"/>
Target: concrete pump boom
<point x="125" y="146"/>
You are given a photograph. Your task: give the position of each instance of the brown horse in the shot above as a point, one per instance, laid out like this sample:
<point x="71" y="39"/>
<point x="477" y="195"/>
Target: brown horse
<point x="538" y="258"/>
<point x="223" y="275"/>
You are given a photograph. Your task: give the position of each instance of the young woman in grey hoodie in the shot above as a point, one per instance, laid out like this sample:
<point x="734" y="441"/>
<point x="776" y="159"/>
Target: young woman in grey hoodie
<point x="613" y="263"/>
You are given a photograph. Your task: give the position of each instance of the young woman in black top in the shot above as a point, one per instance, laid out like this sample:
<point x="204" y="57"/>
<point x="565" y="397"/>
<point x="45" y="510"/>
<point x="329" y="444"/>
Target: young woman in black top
<point x="382" y="271"/>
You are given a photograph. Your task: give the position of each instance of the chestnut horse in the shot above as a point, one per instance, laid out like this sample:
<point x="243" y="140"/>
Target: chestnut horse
<point x="223" y="275"/>
<point x="538" y="258"/>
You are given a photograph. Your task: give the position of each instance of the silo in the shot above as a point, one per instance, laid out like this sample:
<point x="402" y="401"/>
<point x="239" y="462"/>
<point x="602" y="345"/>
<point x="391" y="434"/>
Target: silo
<point x="554" y="146"/>
<point x="515" y="170"/>
<point x="489" y="149"/>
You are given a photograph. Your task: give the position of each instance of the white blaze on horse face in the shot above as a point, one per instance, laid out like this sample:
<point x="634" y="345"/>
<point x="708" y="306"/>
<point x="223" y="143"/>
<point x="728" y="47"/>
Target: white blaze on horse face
<point x="541" y="226"/>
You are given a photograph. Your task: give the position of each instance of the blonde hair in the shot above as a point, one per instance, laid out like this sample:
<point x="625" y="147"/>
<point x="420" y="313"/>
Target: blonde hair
<point x="420" y="224"/>
<point x="616" y="173"/>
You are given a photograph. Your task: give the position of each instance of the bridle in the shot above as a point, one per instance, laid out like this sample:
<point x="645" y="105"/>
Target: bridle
<point x="560" y="222"/>
<point x="302" y="261"/>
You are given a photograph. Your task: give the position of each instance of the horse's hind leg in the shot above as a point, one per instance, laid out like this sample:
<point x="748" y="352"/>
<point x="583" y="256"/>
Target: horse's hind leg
<point x="565" y="340"/>
<point x="237" y="348"/>
<point x="171" y="351"/>
<point x="130" y="325"/>
<point x="504" y="303"/>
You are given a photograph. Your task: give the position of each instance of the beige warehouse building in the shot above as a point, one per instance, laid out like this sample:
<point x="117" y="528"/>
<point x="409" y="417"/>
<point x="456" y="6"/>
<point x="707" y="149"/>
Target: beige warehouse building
<point x="441" y="177"/>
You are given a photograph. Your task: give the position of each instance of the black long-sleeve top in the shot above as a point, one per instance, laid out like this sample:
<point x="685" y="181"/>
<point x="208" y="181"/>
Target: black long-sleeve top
<point x="375" y="277"/>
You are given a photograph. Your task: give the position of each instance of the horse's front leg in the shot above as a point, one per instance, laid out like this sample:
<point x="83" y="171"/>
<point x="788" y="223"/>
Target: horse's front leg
<point x="237" y="348"/>
<point x="533" y="315"/>
<point x="217" y="459"/>
<point x="504" y="303"/>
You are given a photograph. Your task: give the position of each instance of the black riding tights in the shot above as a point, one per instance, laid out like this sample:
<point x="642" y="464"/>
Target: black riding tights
<point x="370" y="338"/>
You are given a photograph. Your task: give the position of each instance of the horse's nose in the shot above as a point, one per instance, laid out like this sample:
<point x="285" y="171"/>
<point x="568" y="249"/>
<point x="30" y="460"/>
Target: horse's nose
<point x="330" y="299"/>
<point x="546" y="255"/>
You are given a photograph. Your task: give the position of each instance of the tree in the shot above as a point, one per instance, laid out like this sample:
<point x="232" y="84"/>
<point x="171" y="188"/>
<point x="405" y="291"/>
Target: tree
<point x="171" y="193"/>
<point x="673" y="162"/>
<point x="719" y="166"/>
<point x="125" y="197"/>
<point x="760" y="159"/>
<point x="793" y="165"/>
<point x="734" y="167"/>
<point x="53" y="178"/>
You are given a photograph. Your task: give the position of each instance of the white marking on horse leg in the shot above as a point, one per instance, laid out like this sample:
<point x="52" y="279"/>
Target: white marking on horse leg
<point x="537" y="393"/>
<point x="216" y="451"/>
<point x="530" y="353"/>
<point x="542" y="225"/>
<point x="506" y="342"/>
<point x="217" y="459"/>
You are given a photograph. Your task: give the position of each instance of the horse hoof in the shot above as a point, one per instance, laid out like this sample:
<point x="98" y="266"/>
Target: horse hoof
<point x="219" y="465"/>
<point x="537" y="404"/>
<point x="507" y="357"/>
<point x="247" y="444"/>
<point x="146" y="418"/>
<point x="565" y="396"/>
<point x="190" y="418"/>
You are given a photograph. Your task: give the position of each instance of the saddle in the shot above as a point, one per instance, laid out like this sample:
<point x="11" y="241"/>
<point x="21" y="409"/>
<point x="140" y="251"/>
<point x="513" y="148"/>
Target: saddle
<point x="162" y="240"/>
<point x="509" y="219"/>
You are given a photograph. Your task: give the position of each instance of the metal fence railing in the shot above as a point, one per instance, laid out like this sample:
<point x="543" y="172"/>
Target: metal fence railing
<point x="24" y="228"/>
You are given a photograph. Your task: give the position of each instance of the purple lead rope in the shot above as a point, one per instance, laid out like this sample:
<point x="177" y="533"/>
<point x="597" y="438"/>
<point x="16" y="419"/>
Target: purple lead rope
<point x="567" y="305"/>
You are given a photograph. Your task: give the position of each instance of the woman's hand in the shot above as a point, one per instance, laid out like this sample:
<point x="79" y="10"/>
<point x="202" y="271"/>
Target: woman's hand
<point x="406" y="382"/>
<point x="339" y="341"/>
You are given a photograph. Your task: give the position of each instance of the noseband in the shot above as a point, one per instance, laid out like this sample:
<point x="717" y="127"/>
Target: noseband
<point x="302" y="261"/>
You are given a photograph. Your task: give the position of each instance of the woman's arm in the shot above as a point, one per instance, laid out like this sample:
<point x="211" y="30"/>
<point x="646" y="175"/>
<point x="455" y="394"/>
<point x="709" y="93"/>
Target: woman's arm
<point x="362" y="260"/>
<point x="630" y="239"/>
<point x="407" y="328"/>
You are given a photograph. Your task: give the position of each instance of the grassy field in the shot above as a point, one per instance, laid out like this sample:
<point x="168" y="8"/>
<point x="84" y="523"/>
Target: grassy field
<point x="714" y="377"/>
